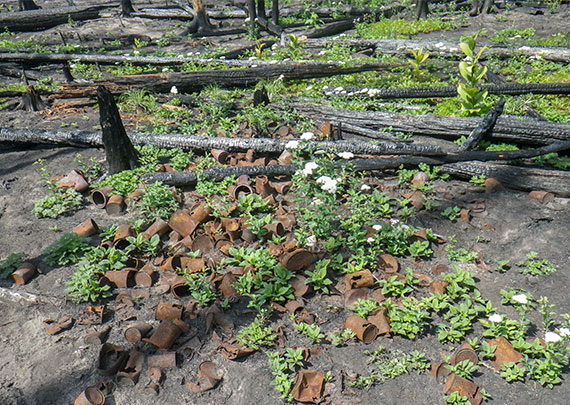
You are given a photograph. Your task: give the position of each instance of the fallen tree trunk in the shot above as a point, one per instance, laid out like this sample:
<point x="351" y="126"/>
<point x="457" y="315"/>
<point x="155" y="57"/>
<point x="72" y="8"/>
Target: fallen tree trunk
<point x="261" y="145"/>
<point x="189" y="178"/>
<point x="506" y="129"/>
<point x="510" y="89"/>
<point x="331" y="29"/>
<point x="35" y="20"/>
<point x="194" y="81"/>
<point x="516" y="177"/>
<point x="484" y="128"/>
<point x="444" y="48"/>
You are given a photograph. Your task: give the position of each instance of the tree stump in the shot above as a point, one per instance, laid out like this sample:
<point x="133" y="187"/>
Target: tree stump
<point x="25" y="5"/>
<point x="120" y="152"/>
<point x="127" y="8"/>
<point x="200" y="23"/>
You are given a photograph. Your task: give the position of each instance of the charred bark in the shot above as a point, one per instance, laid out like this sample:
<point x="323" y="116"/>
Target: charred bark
<point x="445" y="48"/>
<point x="422" y="9"/>
<point x="127" y="8"/>
<point x="194" y="81"/>
<point x="515" y="177"/>
<point x="483" y="129"/>
<point x="506" y="129"/>
<point x="120" y="152"/>
<point x="510" y="89"/>
<point x="331" y="29"/>
<point x="200" y="23"/>
<point x="483" y="9"/>
<point x="260" y="145"/>
<point x="25" y="5"/>
<point x="36" y="20"/>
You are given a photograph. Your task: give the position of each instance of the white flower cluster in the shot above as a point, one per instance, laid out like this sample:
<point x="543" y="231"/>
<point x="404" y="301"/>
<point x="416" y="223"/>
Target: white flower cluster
<point x="311" y="241"/>
<point x="551" y="337"/>
<point x="309" y="167"/>
<point x="345" y="155"/>
<point x="173" y="90"/>
<point x="520" y="298"/>
<point x="365" y="187"/>
<point x="307" y="136"/>
<point x="292" y="145"/>
<point x="495" y="318"/>
<point x="328" y="184"/>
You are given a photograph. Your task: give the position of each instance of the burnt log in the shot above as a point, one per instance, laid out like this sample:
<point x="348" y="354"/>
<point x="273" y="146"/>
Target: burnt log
<point x="120" y="152"/>
<point x="508" y="129"/>
<point x="508" y="89"/>
<point x="331" y="29"/>
<point x="483" y="129"/>
<point x="194" y="81"/>
<point x="515" y="177"/>
<point x="36" y="20"/>
<point x="444" y="48"/>
<point x="261" y="145"/>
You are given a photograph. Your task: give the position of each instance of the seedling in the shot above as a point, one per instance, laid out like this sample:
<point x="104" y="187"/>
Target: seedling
<point x="471" y="98"/>
<point x="511" y="372"/>
<point x="256" y="334"/>
<point x="11" y="263"/>
<point x="451" y="213"/>
<point x="536" y="267"/>
<point x="318" y="278"/>
<point x="363" y="308"/>
<point x="464" y="368"/>
<point x="70" y="248"/>
<point x="311" y="331"/>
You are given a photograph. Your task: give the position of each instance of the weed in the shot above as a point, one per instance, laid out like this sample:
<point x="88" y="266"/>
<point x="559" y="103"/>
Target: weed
<point x="282" y="365"/>
<point x="416" y="63"/>
<point x="536" y="267"/>
<point x="256" y="334"/>
<point x="311" y="331"/>
<point x="70" y="248"/>
<point x="420" y="248"/>
<point x="200" y="289"/>
<point x="385" y="364"/>
<point x="11" y="264"/>
<point x="363" y="308"/>
<point x="340" y="338"/>
<point x="455" y="398"/>
<point x="318" y="277"/>
<point x="158" y="201"/>
<point x="511" y="372"/>
<point x="464" y="368"/>
<point x="407" y="319"/>
<point x="399" y="28"/>
<point x="478" y="180"/>
<point x="458" y="254"/>
<point x="394" y="287"/>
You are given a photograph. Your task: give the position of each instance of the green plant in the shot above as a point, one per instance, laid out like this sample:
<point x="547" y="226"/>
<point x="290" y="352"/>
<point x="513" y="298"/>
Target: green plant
<point x="487" y="351"/>
<point x="311" y="331"/>
<point x="536" y="267"/>
<point x="394" y="287"/>
<point x="464" y="368"/>
<point x="318" y="277"/>
<point x="249" y="204"/>
<point x="341" y="337"/>
<point x="385" y="364"/>
<point x="455" y="398"/>
<point x="363" y="308"/>
<point x="420" y="248"/>
<point x="139" y="245"/>
<point x="256" y="225"/>
<point x="200" y="289"/>
<point x="256" y="334"/>
<point x="451" y="213"/>
<point x="70" y="248"/>
<point x="419" y="58"/>
<point x="158" y="201"/>
<point x="11" y="263"/>
<point x="282" y="365"/>
<point x="458" y="254"/>
<point x="499" y="325"/>
<point x="181" y="159"/>
<point x="460" y="282"/>
<point x="502" y="265"/>
<point x="407" y="319"/>
<point x="512" y="372"/>
<point x="472" y="99"/>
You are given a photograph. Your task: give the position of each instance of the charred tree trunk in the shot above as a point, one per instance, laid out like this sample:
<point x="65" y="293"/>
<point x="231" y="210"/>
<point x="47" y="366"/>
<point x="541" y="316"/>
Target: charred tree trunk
<point x="252" y="15"/>
<point x="25" y="5"/>
<point x="200" y="23"/>
<point x="120" y="152"/>
<point x="422" y="9"/>
<point x="483" y="9"/>
<point x="275" y="12"/>
<point x="127" y="8"/>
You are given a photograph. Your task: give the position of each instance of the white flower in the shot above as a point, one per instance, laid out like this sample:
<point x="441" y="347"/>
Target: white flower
<point x="281" y="77"/>
<point x="292" y="145"/>
<point x="377" y="227"/>
<point x="328" y="184"/>
<point x="274" y="46"/>
<point x="551" y="337"/>
<point x="165" y="69"/>
<point x="180" y="56"/>
<point x="564" y="332"/>
<point x="307" y="136"/>
<point x="365" y="187"/>
<point x="309" y="167"/>
<point x="325" y="87"/>
<point x="135" y="52"/>
<point x="252" y="58"/>
<point x="520" y="298"/>
<point x="247" y="20"/>
<point x="322" y="52"/>
<point x="345" y="155"/>
<point x="174" y="90"/>
<point x="495" y="318"/>
<point x="370" y="239"/>
<point x="311" y="241"/>
<point x="309" y="88"/>
<point x="317" y="201"/>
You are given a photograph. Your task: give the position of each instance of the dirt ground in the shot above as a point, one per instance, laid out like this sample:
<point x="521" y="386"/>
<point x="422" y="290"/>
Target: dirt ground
<point x="36" y="368"/>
